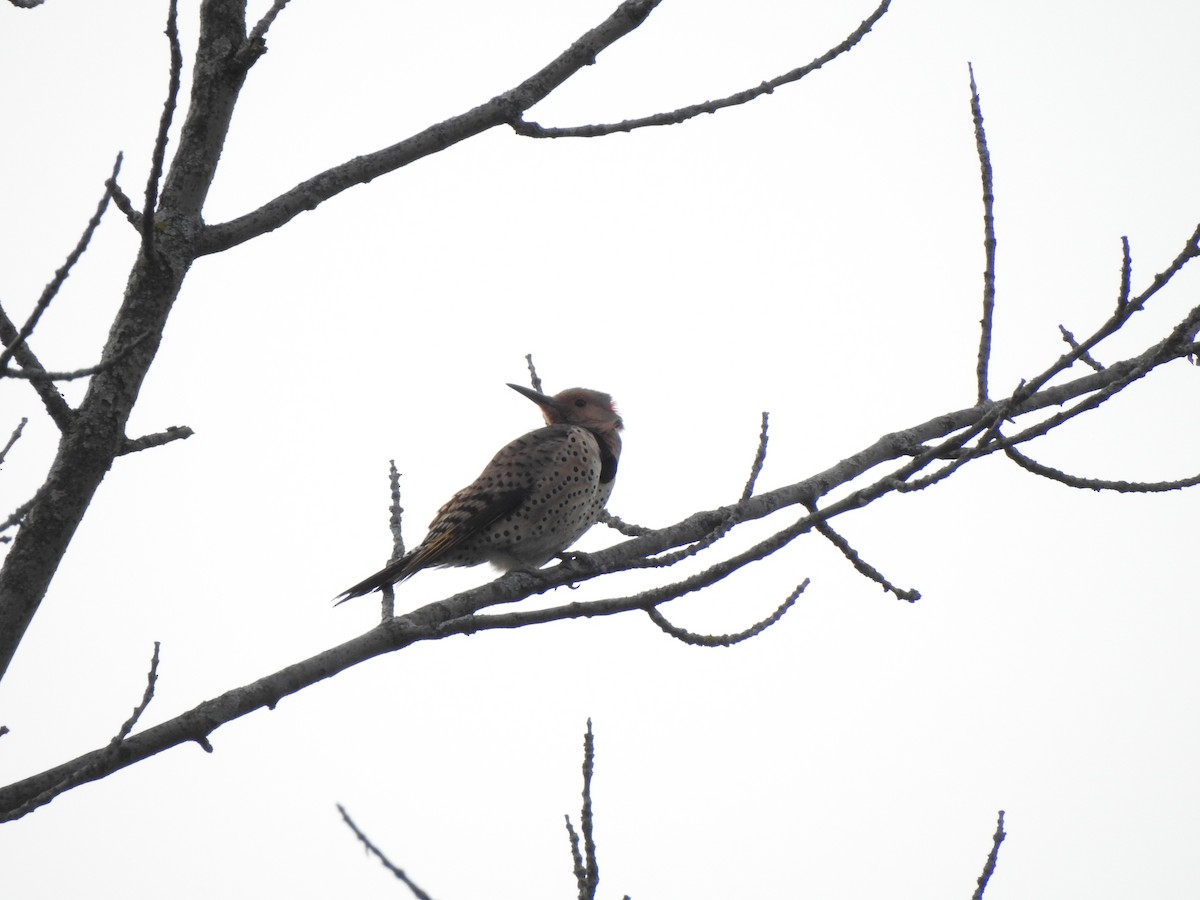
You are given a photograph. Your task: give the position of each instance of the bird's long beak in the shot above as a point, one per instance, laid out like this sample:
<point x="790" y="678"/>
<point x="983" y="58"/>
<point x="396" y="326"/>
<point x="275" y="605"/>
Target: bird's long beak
<point x="546" y="403"/>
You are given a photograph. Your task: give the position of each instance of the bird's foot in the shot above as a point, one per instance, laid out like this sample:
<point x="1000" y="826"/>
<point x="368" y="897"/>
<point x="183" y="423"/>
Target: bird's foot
<point x="576" y="559"/>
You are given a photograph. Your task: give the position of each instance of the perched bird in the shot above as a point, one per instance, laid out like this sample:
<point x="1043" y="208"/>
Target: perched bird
<point x="536" y="497"/>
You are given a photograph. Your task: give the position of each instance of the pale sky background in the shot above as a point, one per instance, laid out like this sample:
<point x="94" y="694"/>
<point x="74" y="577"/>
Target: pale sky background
<point x="816" y="254"/>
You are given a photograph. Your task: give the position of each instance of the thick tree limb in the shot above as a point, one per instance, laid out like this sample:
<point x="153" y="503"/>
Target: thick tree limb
<point x="500" y="110"/>
<point x="95" y="434"/>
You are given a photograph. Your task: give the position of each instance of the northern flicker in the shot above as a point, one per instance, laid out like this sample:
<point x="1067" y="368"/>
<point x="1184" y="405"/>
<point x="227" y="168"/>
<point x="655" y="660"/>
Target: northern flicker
<point x="536" y="497"/>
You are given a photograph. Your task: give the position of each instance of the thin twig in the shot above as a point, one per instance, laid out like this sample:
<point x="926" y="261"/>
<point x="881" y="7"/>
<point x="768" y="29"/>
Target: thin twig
<point x="759" y="458"/>
<point x="256" y="40"/>
<point x="124" y="204"/>
<point x="13" y="438"/>
<point x="534" y="130"/>
<point x="533" y="375"/>
<point x="1126" y="274"/>
<point x="1084" y="356"/>
<point x="989" y="867"/>
<point x="989" y="245"/>
<point x="37" y="374"/>
<point x="387" y="863"/>
<point x="1098" y="484"/>
<point x="387" y="598"/>
<point x="57" y="407"/>
<point x="146" y="441"/>
<point x="725" y="640"/>
<point x="587" y="890"/>
<point x="91" y="768"/>
<point x="862" y="566"/>
<point x="51" y="289"/>
<point x="147" y="696"/>
<point x="164" y="126"/>
<point x="15" y="518"/>
<point x="618" y="524"/>
<point x="396" y="512"/>
<point x="723" y="528"/>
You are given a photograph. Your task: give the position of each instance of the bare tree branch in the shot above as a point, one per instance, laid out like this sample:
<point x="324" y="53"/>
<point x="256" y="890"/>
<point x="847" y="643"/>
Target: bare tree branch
<point x="534" y="380"/>
<point x="1084" y="356"/>
<point x="616" y="523"/>
<point x="12" y="439"/>
<point x="95" y="434"/>
<point x="56" y="406"/>
<point x="15" y="518"/>
<point x="458" y="614"/>
<point x="1098" y="484"/>
<point x="51" y="289"/>
<point x="862" y="566"/>
<point x="256" y="42"/>
<point x="726" y="640"/>
<point x="533" y="129"/>
<point x="124" y="204"/>
<point x="147" y="696"/>
<point x="164" y="127"/>
<point x="587" y="871"/>
<point x="1126" y="274"/>
<point x="38" y="374"/>
<point x="87" y="770"/>
<point x="500" y="110"/>
<point x="577" y="865"/>
<point x="396" y="511"/>
<point x="989" y="245"/>
<point x="146" y="441"/>
<point x="378" y="854"/>
<point x="989" y="867"/>
<point x="760" y="457"/>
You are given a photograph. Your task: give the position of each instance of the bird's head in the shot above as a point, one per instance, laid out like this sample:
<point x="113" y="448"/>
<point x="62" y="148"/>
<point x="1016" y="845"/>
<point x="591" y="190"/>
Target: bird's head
<point x="593" y="410"/>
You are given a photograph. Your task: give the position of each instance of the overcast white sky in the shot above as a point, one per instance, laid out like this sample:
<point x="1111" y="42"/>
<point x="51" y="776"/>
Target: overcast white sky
<point x="816" y="254"/>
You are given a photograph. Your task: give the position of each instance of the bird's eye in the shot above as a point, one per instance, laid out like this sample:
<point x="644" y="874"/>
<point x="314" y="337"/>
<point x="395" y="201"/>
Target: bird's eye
<point x="581" y="403"/>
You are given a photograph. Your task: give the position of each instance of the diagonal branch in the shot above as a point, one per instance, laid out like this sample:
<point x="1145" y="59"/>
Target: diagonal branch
<point x="12" y="439"/>
<point x="862" y="566"/>
<point x="56" y="406"/>
<point x="379" y="854"/>
<point x="500" y="110"/>
<point x="675" y="117"/>
<point x="459" y="614"/>
<point x="989" y="867"/>
<point x="51" y="289"/>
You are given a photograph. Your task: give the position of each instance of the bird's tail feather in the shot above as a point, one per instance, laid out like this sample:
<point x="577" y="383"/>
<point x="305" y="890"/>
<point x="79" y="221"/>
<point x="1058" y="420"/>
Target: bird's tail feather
<point x="389" y="574"/>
